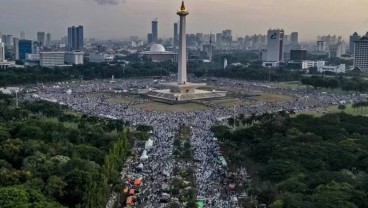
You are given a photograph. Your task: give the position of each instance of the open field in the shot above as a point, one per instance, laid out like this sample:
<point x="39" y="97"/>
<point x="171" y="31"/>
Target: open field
<point x="270" y="97"/>
<point x="163" y="107"/>
<point x="230" y="101"/>
<point x="333" y="109"/>
<point x="288" y="85"/>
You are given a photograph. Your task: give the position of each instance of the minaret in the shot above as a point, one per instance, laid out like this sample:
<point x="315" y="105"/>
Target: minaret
<point x="182" y="59"/>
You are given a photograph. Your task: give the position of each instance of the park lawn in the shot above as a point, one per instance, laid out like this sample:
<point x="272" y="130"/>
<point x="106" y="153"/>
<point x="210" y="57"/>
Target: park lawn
<point x="227" y="102"/>
<point x="334" y="109"/>
<point x="288" y="85"/>
<point x="163" y="107"/>
<point x="270" y="97"/>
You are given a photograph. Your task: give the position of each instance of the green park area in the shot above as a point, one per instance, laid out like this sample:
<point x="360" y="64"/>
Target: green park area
<point x="50" y="157"/>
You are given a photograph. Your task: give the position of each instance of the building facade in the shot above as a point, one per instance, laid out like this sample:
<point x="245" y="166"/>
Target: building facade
<point x="24" y="47"/>
<point x="275" y="45"/>
<point x="75" y="38"/>
<point x="354" y="37"/>
<point x="361" y="54"/>
<point x="74" y="57"/>
<point x="154" y="31"/>
<point x="41" y="38"/>
<point x="52" y="59"/>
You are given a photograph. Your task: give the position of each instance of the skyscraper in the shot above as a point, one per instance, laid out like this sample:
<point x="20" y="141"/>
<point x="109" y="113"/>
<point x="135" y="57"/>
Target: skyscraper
<point x="353" y="38"/>
<point x="361" y="53"/>
<point x="294" y="38"/>
<point x="182" y="62"/>
<point x="48" y="39"/>
<point x="25" y="46"/>
<point x="41" y="38"/>
<point x="154" y="31"/>
<point x="176" y="35"/>
<point x="2" y="51"/>
<point x="75" y="38"/>
<point x="275" y="45"/>
<point x="16" y="48"/>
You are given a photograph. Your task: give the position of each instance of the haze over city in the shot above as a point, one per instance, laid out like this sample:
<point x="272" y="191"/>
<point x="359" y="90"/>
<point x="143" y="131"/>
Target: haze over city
<point x="116" y="19"/>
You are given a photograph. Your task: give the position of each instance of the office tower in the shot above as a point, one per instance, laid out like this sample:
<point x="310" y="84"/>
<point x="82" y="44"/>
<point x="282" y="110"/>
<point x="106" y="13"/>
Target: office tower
<point x="22" y="35"/>
<point x="353" y="38"/>
<point x="227" y="37"/>
<point x="361" y="53"/>
<point x="9" y="41"/>
<point x="16" y="48"/>
<point x="52" y="59"/>
<point x="149" y="38"/>
<point x="41" y="38"/>
<point x="321" y="45"/>
<point x="176" y="35"/>
<point x="48" y="39"/>
<point x="275" y="45"/>
<point x="2" y="51"/>
<point x="294" y="38"/>
<point x="154" y="31"/>
<point x="80" y="37"/>
<point x="24" y="47"/>
<point x="219" y="39"/>
<point x="75" y="38"/>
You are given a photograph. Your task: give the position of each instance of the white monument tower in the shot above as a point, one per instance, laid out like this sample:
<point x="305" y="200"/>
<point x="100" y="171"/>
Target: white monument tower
<point x="182" y="90"/>
<point x="182" y="68"/>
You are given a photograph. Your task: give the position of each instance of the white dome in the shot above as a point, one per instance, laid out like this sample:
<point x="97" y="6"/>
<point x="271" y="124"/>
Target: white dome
<point x="157" y="48"/>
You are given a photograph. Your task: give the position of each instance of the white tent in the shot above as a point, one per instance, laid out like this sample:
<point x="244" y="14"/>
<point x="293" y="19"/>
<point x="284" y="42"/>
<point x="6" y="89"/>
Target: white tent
<point x="69" y="92"/>
<point x="144" y="155"/>
<point x="149" y="144"/>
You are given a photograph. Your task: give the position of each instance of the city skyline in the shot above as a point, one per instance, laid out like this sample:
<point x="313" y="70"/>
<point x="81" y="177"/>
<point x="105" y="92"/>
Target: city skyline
<point x="117" y="20"/>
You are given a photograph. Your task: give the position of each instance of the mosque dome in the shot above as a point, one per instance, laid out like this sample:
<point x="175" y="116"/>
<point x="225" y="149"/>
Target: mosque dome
<point x="157" y="48"/>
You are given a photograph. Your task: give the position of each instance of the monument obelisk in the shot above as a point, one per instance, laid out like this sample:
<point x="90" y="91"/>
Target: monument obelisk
<point x="182" y="90"/>
<point x="182" y="56"/>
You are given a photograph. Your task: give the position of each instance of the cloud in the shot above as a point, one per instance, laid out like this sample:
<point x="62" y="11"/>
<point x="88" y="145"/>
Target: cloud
<point x="110" y="2"/>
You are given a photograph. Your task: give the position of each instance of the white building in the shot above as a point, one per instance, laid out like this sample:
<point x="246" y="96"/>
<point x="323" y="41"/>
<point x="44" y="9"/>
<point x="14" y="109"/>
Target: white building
<point x="275" y="45"/>
<point x="52" y="59"/>
<point x="310" y="64"/>
<point x="101" y="58"/>
<point x="361" y="54"/>
<point x="336" y="69"/>
<point x="74" y="57"/>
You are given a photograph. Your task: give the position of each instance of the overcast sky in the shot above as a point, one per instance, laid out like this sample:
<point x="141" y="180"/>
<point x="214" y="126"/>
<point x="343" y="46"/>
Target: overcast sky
<point x="118" y="19"/>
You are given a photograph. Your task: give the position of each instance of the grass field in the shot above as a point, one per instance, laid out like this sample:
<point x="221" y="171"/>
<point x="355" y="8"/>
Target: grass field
<point x="333" y="109"/>
<point x="230" y="102"/>
<point x="270" y="97"/>
<point x="288" y="85"/>
<point x="163" y="107"/>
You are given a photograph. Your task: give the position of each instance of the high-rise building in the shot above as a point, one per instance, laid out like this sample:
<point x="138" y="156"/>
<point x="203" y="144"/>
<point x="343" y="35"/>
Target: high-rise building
<point x="321" y="46"/>
<point x="219" y="39"/>
<point x="149" y="38"/>
<point x="294" y="39"/>
<point x="22" y="35"/>
<point x="176" y="35"/>
<point x="361" y="53"/>
<point x="24" y="47"/>
<point x="154" y="31"/>
<point x="41" y="38"/>
<point x="75" y="38"/>
<point x="354" y="37"/>
<point x="48" y="39"/>
<point x="275" y="45"/>
<point x="16" y="48"/>
<point x="2" y="51"/>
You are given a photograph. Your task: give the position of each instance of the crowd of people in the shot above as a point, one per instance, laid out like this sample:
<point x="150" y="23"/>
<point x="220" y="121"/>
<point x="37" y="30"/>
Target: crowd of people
<point x="91" y="97"/>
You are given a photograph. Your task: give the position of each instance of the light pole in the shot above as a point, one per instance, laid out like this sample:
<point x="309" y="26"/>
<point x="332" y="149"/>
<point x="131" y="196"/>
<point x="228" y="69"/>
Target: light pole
<point x="269" y="74"/>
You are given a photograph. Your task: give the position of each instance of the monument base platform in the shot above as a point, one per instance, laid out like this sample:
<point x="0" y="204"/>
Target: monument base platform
<point x="184" y="93"/>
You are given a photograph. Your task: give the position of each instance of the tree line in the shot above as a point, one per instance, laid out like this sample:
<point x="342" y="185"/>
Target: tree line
<point x="53" y="158"/>
<point x="301" y="161"/>
<point x="355" y="84"/>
